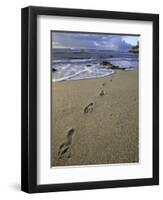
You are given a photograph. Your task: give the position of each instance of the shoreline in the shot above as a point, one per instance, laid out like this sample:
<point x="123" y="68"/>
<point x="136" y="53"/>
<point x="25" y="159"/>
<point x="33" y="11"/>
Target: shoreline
<point x="98" y="77"/>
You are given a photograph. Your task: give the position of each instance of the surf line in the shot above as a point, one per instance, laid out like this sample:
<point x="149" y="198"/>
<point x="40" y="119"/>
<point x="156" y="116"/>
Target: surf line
<point x="85" y="70"/>
<point x="67" y="77"/>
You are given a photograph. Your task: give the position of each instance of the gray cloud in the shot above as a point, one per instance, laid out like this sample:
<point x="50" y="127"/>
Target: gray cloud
<point x="84" y="40"/>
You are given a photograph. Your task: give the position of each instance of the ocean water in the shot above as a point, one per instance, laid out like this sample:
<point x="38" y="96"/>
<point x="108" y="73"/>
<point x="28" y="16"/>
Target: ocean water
<point x="75" y="64"/>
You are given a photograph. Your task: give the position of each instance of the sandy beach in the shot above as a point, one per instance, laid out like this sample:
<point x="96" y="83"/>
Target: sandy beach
<point x="95" y="121"/>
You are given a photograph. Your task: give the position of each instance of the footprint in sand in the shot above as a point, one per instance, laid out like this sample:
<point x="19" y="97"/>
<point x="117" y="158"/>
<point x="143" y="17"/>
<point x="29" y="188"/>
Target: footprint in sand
<point x="103" y="84"/>
<point x="65" y="148"/>
<point x="102" y="93"/>
<point x="89" y="108"/>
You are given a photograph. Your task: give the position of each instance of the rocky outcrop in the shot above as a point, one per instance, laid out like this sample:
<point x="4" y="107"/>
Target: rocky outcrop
<point x="108" y="65"/>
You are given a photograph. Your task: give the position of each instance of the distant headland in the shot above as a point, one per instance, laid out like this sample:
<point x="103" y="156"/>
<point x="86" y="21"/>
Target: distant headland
<point x="135" y="49"/>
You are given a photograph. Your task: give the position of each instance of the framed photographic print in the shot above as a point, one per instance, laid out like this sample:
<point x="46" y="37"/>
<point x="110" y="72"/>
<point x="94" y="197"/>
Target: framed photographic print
<point x="90" y="99"/>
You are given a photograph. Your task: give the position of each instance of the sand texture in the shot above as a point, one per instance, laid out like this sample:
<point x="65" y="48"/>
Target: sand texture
<point x="95" y="121"/>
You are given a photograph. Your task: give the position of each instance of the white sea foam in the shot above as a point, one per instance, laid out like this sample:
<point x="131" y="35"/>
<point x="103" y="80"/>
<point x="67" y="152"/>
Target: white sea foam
<point x="72" y="61"/>
<point x="125" y="63"/>
<point x="76" y="72"/>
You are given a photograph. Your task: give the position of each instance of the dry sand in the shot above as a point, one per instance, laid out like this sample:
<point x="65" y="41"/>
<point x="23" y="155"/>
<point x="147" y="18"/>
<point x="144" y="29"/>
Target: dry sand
<point x="95" y="121"/>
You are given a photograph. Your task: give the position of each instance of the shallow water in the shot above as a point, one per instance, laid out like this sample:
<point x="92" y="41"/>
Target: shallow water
<point x="68" y="64"/>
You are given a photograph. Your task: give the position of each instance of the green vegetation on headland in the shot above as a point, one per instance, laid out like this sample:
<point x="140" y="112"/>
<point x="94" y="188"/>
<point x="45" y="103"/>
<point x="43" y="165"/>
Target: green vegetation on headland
<point x="135" y="49"/>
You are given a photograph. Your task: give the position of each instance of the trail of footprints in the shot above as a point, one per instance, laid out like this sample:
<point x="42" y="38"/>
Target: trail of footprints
<point x="65" y="148"/>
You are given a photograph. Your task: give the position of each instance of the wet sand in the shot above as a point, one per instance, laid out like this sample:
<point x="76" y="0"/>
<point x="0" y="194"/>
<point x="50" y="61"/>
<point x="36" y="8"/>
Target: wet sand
<point x="95" y="121"/>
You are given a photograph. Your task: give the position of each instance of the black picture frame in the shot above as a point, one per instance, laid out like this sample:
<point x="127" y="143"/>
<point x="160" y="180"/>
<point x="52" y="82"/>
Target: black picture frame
<point x="29" y="98"/>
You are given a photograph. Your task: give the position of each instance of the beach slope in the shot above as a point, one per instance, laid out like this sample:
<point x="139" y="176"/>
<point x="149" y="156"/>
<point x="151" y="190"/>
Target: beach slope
<point x="95" y="121"/>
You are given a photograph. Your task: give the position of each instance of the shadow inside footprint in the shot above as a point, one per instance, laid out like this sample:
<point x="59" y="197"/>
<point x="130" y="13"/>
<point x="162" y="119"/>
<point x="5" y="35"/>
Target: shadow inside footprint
<point x="102" y="93"/>
<point x="89" y="108"/>
<point x="64" y="149"/>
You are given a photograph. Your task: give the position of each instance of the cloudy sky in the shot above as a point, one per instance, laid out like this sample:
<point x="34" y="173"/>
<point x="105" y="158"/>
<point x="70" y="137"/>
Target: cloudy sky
<point x="92" y="41"/>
